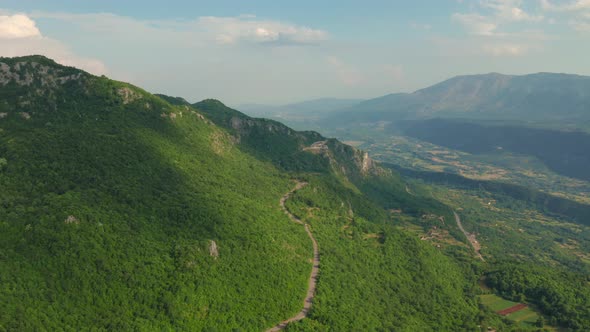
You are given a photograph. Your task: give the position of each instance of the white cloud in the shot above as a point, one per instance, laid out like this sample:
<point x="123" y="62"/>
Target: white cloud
<point x="494" y="14"/>
<point x="510" y="10"/>
<point x="20" y="36"/>
<point x="505" y="49"/>
<point x="502" y="28"/>
<point x="576" y="13"/>
<point x="222" y="30"/>
<point x="232" y="30"/>
<point x="17" y="26"/>
<point x="206" y="56"/>
<point x="476" y="24"/>
<point x="566" y="7"/>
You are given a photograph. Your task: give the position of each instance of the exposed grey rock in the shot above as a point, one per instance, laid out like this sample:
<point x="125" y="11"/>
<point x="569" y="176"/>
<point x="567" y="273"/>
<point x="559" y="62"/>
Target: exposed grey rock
<point x="213" y="250"/>
<point x="47" y="76"/>
<point x="71" y="220"/>
<point x="128" y="95"/>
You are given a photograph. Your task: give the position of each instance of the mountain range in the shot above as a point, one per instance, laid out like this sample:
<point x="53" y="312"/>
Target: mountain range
<point x="542" y="97"/>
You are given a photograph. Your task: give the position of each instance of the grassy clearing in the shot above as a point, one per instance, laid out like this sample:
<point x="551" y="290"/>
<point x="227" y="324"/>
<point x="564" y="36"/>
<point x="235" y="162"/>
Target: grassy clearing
<point x="495" y="302"/>
<point x="525" y="316"/>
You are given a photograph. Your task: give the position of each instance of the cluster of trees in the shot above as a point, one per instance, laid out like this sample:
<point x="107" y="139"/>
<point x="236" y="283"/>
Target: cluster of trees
<point x="375" y="276"/>
<point x="563" y="296"/>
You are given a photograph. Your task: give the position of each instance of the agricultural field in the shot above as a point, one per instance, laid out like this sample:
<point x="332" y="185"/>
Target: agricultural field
<point x="411" y="153"/>
<point x="507" y="230"/>
<point x="531" y="224"/>
<point x="530" y="255"/>
<point x="521" y="313"/>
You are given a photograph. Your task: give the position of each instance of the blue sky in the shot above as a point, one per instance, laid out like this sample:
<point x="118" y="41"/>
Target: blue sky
<point x="284" y="51"/>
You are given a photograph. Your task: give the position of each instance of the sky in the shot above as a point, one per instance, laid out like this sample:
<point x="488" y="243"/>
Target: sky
<point x="278" y="52"/>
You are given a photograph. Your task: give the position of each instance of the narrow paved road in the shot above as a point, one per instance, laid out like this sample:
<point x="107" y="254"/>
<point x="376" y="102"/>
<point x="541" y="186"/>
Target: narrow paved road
<point x="315" y="270"/>
<point x="471" y="237"/>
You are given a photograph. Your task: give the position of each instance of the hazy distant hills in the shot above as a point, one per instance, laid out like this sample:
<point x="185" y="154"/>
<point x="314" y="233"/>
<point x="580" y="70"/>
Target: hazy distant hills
<point x="534" y="97"/>
<point x="308" y="106"/>
<point x="301" y="114"/>
<point x="527" y="114"/>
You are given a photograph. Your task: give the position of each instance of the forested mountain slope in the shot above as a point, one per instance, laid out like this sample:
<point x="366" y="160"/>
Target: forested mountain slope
<point x="122" y="210"/>
<point x="308" y="151"/>
<point x="111" y="202"/>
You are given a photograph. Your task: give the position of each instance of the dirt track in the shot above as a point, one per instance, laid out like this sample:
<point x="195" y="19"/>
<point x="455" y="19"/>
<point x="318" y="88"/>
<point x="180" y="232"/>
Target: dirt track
<point x="315" y="270"/>
<point x="471" y="237"/>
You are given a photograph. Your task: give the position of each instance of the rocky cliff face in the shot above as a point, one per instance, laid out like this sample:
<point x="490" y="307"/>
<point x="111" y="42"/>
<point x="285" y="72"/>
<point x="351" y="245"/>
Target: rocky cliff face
<point x="35" y="85"/>
<point x="31" y="72"/>
<point x="281" y="144"/>
<point x="342" y="158"/>
<point x="353" y="160"/>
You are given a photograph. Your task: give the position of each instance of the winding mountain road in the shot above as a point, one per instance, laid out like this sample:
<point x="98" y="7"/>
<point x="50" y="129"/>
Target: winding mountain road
<point x="315" y="270"/>
<point x="471" y="237"/>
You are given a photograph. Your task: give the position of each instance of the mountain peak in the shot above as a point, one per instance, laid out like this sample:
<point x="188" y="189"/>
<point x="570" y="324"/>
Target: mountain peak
<point x="33" y="57"/>
<point x="482" y="96"/>
<point x="38" y="59"/>
<point x="211" y="104"/>
<point x="36" y="70"/>
<point x="490" y="75"/>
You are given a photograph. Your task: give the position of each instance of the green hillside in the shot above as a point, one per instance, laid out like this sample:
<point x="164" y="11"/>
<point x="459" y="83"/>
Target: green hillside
<point x="376" y="277"/>
<point x="111" y="198"/>
<point x="122" y="210"/>
<point x="310" y="152"/>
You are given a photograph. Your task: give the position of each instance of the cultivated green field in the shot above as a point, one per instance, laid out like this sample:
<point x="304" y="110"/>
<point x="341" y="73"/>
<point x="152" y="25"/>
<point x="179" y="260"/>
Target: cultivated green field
<point x="526" y="316"/>
<point x="500" y="165"/>
<point x="495" y="302"/>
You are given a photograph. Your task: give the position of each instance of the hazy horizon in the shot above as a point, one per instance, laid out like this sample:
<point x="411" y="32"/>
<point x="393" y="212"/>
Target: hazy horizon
<point x="238" y="52"/>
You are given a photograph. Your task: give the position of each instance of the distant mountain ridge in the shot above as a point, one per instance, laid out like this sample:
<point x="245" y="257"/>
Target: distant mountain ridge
<point x="541" y="96"/>
<point x="301" y="115"/>
<point x="308" y="106"/>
